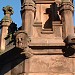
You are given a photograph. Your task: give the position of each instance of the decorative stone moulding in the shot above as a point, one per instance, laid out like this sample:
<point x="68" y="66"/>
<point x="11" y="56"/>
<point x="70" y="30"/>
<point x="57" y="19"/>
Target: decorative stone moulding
<point x="6" y="21"/>
<point x="67" y="1"/>
<point x="45" y="1"/>
<point x="66" y="6"/>
<point x="28" y="5"/>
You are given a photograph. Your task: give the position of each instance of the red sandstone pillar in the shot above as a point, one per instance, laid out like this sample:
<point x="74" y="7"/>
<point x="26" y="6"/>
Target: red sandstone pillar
<point x="5" y="23"/>
<point x="27" y="11"/>
<point x="66" y="11"/>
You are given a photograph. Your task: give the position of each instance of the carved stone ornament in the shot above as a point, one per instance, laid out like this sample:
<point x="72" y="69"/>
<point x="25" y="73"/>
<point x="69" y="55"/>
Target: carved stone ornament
<point x="69" y="49"/>
<point x="22" y="39"/>
<point x="28" y="5"/>
<point x="71" y="40"/>
<point x="8" y="10"/>
<point x="66" y="6"/>
<point x="28" y="52"/>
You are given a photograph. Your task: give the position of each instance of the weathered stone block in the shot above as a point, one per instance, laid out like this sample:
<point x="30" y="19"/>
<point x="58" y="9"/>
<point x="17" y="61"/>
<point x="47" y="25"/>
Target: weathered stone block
<point x="38" y="74"/>
<point x="66" y="74"/>
<point x="49" y="74"/>
<point x="51" y="63"/>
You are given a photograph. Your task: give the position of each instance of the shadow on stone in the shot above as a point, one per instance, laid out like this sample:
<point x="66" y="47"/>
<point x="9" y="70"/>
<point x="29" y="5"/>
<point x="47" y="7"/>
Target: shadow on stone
<point x="12" y="28"/>
<point x="52" y="13"/>
<point x="48" y="23"/>
<point x="11" y="59"/>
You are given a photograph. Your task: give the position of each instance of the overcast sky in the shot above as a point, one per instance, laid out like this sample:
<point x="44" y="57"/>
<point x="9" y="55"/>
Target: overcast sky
<point x="16" y="7"/>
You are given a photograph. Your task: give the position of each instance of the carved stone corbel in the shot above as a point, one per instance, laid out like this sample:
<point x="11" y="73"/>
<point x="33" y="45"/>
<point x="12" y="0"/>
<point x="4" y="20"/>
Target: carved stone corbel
<point x="22" y="42"/>
<point x="71" y="40"/>
<point x="28" y="52"/>
<point x="22" y="39"/>
<point x="69" y="49"/>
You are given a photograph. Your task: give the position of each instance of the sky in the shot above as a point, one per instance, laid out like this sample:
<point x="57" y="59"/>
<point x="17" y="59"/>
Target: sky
<point x="16" y="4"/>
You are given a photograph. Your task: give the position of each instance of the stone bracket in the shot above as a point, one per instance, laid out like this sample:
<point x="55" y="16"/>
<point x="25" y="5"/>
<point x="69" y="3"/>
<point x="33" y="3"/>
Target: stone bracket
<point x="22" y="42"/>
<point x="22" y="39"/>
<point x="28" y="52"/>
<point x="69" y="48"/>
